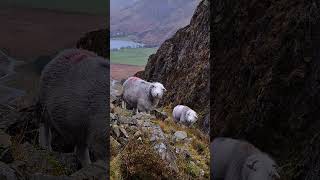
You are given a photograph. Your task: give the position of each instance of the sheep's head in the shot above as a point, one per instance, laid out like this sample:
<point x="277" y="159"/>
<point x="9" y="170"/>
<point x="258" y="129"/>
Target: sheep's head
<point x="260" y="167"/>
<point x="157" y="90"/>
<point x="191" y="116"/>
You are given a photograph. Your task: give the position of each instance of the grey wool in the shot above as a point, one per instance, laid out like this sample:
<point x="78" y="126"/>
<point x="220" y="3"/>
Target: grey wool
<point x="234" y="159"/>
<point x="142" y="95"/>
<point x="73" y="98"/>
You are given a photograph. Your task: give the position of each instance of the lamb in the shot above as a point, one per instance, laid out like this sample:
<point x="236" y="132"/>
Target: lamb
<point x="185" y="115"/>
<point x="239" y="160"/>
<point x="73" y="100"/>
<point x="142" y="95"/>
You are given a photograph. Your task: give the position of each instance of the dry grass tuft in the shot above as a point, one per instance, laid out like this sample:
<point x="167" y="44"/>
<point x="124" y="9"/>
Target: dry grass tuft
<point x="139" y="160"/>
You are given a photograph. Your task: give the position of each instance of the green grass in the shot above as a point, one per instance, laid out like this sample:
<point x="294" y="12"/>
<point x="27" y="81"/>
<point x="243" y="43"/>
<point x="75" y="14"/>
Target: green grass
<point x="84" y="6"/>
<point x="124" y="38"/>
<point x="132" y="56"/>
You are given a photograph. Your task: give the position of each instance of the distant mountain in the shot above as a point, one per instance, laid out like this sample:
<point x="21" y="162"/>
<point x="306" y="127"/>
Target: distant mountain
<point x="150" y="21"/>
<point x="120" y="4"/>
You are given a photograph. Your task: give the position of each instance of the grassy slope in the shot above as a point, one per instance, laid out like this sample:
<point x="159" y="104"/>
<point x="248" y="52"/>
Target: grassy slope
<point x="85" y="6"/>
<point x="134" y="56"/>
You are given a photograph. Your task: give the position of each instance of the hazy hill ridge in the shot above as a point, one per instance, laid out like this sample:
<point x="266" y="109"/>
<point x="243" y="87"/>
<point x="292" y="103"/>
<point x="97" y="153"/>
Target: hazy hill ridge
<point x="150" y="21"/>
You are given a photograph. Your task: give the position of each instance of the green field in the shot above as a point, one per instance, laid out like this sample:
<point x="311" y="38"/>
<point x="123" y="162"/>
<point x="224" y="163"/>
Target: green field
<point x="132" y="56"/>
<point x="84" y="6"/>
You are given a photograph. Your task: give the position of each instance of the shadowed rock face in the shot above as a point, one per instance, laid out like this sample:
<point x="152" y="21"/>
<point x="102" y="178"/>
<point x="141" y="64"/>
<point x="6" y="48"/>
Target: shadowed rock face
<point x="96" y="41"/>
<point x="182" y="64"/>
<point x="265" y="79"/>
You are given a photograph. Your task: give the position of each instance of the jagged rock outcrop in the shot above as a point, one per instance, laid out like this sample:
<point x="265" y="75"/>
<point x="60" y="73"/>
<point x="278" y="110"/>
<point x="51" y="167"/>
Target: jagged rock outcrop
<point x="182" y="64"/>
<point x="96" y="41"/>
<point x="265" y="79"/>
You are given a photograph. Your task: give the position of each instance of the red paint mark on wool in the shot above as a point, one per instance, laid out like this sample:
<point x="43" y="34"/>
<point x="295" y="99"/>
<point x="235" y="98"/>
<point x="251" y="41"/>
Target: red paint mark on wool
<point x="78" y="56"/>
<point x="134" y="78"/>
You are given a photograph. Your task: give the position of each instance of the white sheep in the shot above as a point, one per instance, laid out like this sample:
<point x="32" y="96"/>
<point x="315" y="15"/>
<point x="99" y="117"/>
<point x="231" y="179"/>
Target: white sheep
<point x="142" y="95"/>
<point x="239" y="160"/>
<point x="185" y="115"/>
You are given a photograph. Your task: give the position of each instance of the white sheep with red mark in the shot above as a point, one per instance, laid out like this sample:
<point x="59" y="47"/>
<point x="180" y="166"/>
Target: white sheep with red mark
<point x="142" y="95"/>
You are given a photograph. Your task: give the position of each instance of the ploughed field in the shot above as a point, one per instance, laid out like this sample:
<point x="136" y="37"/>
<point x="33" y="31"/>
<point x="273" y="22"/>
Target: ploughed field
<point x="123" y="71"/>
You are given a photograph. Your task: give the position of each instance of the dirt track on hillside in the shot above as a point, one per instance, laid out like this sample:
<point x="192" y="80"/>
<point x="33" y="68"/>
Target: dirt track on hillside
<point x="28" y="33"/>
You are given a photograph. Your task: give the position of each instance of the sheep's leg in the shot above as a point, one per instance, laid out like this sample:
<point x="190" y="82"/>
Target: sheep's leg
<point x="123" y="104"/>
<point x="82" y="153"/>
<point x="137" y="110"/>
<point x="45" y="136"/>
<point x="141" y="109"/>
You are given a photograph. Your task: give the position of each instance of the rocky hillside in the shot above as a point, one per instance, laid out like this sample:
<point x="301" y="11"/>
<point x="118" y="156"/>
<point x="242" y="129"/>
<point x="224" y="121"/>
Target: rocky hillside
<point x="151" y="21"/>
<point x="265" y="79"/>
<point x="182" y="64"/>
<point x="21" y="158"/>
<point x="153" y="146"/>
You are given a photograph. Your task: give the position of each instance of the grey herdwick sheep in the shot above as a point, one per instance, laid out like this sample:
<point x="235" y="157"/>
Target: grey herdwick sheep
<point x="185" y="115"/>
<point x="73" y="100"/>
<point x="142" y="95"/>
<point x="233" y="159"/>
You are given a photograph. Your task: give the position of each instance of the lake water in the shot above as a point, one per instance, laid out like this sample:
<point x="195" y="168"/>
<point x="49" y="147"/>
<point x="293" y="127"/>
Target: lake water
<point x="117" y="44"/>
